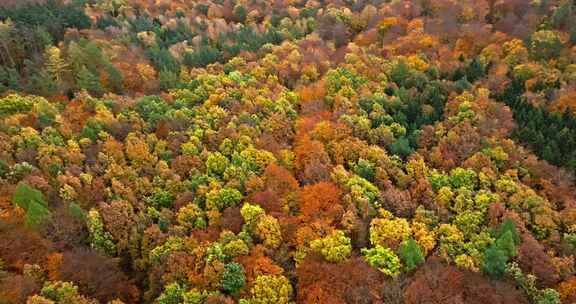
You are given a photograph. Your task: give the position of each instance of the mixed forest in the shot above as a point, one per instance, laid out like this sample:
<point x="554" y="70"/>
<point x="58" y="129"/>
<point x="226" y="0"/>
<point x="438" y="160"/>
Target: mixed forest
<point x="287" y="151"/>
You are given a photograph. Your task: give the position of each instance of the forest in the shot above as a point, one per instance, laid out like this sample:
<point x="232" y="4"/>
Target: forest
<point x="287" y="151"/>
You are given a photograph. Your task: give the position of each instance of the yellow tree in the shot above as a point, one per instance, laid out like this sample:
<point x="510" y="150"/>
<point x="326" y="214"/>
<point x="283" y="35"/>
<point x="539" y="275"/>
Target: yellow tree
<point x="55" y="65"/>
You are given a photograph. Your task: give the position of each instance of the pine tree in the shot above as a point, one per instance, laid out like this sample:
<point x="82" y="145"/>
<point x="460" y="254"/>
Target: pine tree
<point x="495" y="260"/>
<point x="55" y="65"/>
<point x="115" y="79"/>
<point x="411" y="254"/>
<point x="85" y="80"/>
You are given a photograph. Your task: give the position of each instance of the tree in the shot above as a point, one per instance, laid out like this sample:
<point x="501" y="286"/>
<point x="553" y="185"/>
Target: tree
<point x="321" y="201"/>
<point x="216" y="163"/>
<point x="220" y="199"/>
<point x="410" y="254"/>
<point x="545" y="44"/>
<point x="151" y="108"/>
<point x="32" y="201"/>
<point x="335" y="247"/>
<point x="115" y="79"/>
<point x="97" y="276"/>
<point x="55" y="65"/>
<point x="173" y="294"/>
<point x="268" y="230"/>
<point x="168" y="80"/>
<point x="86" y="80"/>
<point x="232" y="278"/>
<point x="384" y="259"/>
<point x="16" y="103"/>
<point x="495" y="260"/>
<point x="100" y="239"/>
<point x="271" y="289"/>
<point x="239" y="13"/>
<point x="389" y="231"/>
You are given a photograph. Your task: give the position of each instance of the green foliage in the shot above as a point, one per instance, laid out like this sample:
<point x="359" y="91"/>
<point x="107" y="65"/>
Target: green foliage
<point x="9" y="79"/>
<point x="161" y="198"/>
<point x="203" y="56"/>
<point x="232" y="278"/>
<point x="365" y="169"/>
<point x="219" y="199"/>
<point x="239" y="13"/>
<point x="115" y="79"/>
<point x="340" y="78"/>
<point x="495" y="260"/>
<point x="61" y="292"/>
<point x="410" y="254"/>
<point x="466" y="178"/>
<point x="151" y="108"/>
<point x="384" y="259"/>
<point x="32" y="201"/>
<point x="53" y="15"/>
<point x="401" y="147"/>
<point x="4" y="168"/>
<point x="501" y="251"/>
<point x="86" y="80"/>
<point x="91" y="130"/>
<point x="507" y="226"/>
<point x="15" y="103"/>
<point x="362" y="188"/>
<point x="76" y="211"/>
<point x="168" y="80"/>
<point x="400" y="73"/>
<point x="163" y="60"/>
<point x="552" y="136"/>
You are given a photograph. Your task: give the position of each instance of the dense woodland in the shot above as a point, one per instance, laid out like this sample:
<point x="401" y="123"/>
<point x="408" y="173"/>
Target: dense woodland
<point x="287" y="151"/>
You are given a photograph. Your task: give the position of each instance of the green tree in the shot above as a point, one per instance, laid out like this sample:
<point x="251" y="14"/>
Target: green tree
<point x="504" y="247"/>
<point x="168" y="80"/>
<point x="9" y="79"/>
<point x="410" y="254"/>
<point x="239" y="13"/>
<point x="365" y="169"/>
<point x="86" y="80"/>
<point x="232" y="278"/>
<point x="32" y="201"/>
<point x="219" y="199"/>
<point x="495" y="260"/>
<point x="15" y="103"/>
<point x="151" y="108"/>
<point x="115" y="79"/>
<point x="161" y="198"/>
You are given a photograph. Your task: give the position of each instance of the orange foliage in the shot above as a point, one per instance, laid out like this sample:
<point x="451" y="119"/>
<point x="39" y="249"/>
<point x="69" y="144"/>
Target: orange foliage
<point x="257" y="263"/>
<point x="321" y="201"/>
<point x="567" y="290"/>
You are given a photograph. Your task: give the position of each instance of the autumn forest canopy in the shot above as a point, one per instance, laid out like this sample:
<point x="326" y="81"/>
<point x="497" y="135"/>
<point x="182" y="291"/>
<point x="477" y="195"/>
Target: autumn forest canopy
<point x="287" y="151"/>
